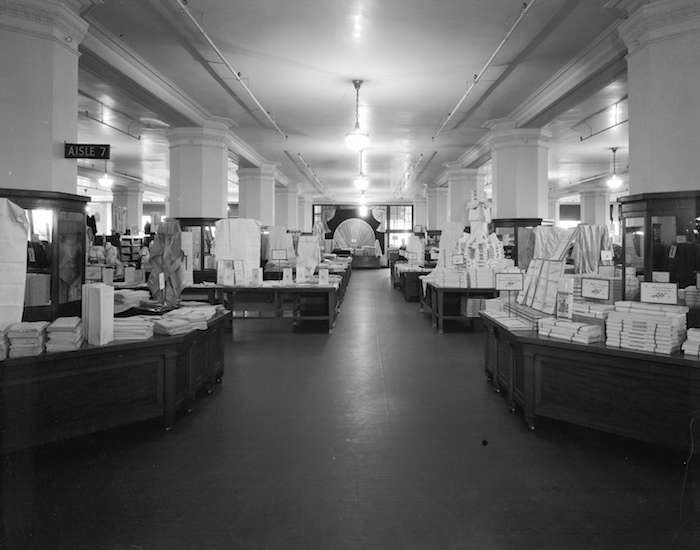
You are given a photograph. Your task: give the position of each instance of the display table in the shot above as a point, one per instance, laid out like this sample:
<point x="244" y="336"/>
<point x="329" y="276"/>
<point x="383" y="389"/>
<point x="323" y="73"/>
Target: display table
<point x="275" y="273"/>
<point x="649" y="397"/>
<point x="408" y="281"/>
<point x="305" y="302"/>
<point x="55" y="396"/>
<point x="444" y="302"/>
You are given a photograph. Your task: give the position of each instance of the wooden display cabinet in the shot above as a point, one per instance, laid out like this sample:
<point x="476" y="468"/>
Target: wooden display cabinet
<point x="55" y="252"/>
<point x="660" y="232"/>
<point x="518" y="237"/>
<point x="203" y="261"/>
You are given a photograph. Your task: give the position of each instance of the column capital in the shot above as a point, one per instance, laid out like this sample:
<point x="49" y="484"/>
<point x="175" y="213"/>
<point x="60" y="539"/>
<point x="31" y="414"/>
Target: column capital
<point x="418" y="199"/>
<point x="55" y="20"/>
<point x="266" y="170"/>
<point x="197" y="136"/>
<point x="503" y="137"/>
<point x="659" y="20"/>
<point x="456" y="172"/>
<point x="596" y="187"/>
<point x="434" y="192"/>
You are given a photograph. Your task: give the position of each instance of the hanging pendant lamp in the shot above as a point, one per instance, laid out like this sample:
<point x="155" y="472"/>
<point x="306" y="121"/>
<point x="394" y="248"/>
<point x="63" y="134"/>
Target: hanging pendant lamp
<point x="614" y="181"/>
<point x="357" y="140"/>
<point x="361" y="182"/>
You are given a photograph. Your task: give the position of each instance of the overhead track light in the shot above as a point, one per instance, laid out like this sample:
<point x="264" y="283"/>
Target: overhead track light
<point x="356" y="139"/>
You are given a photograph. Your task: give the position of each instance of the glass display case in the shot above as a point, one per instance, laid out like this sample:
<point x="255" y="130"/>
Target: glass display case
<point x="660" y="234"/>
<point x="56" y="247"/>
<point x="203" y="234"/>
<point x="518" y="237"/>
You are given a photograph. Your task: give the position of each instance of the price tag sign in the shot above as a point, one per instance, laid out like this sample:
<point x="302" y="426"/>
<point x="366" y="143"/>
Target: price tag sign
<point x="457" y="259"/>
<point x="660" y="277"/>
<point x="606" y="255"/>
<point x="161" y="280"/>
<point x="596" y="289"/>
<point x="287" y="276"/>
<point x="659" y="293"/>
<point x="434" y="254"/>
<point x="279" y="254"/>
<point x="510" y="281"/>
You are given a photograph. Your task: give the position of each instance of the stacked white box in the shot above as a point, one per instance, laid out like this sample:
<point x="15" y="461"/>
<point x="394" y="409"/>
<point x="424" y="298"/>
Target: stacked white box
<point x="133" y="328"/>
<point x="571" y="331"/>
<point x="646" y="327"/>
<point x="98" y="313"/>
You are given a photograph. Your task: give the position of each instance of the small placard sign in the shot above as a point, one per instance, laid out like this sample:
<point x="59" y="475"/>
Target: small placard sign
<point x="509" y="281"/>
<point x="287" y="276"/>
<point x="434" y="254"/>
<point x="279" y="254"/>
<point x="457" y="259"/>
<point x="100" y="151"/>
<point x="661" y="277"/>
<point x="606" y="255"/>
<point x="659" y="293"/>
<point x="596" y="289"/>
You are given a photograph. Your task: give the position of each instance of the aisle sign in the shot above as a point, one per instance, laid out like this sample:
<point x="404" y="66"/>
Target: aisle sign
<point x="509" y="281"/>
<point x="99" y="151"/>
<point x="659" y="293"/>
<point x="597" y="289"/>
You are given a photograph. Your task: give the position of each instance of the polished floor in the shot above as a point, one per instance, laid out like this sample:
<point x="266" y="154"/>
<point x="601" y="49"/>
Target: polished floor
<point x="383" y="435"/>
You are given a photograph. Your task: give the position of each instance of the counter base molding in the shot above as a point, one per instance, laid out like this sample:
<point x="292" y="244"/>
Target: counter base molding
<point x="647" y="397"/>
<point x="57" y="396"/>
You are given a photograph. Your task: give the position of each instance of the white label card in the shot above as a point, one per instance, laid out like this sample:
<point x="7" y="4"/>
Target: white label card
<point x="660" y="277"/>
<point x="457" y="259"/>
<point x="323" y="277"/>
<point x="596" y="289"/>
<point x="161" y="280"/>
<point x="279" y="254"/>
<point x="287" y="276"/>
<point x="606" y="255"/>
<point x="659" y="293"/>
<point x="509" y="281"/>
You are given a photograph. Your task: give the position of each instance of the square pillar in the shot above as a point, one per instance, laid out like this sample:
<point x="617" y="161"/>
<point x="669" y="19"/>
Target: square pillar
<point x="663" y="79"/>
<point x="306" y="214"/>
<point x="256" y="193"/>
<point x="287" y="207"/>
<point x="437" y="207"/>
<point x="39" y="93"/>
<point x="595" y="204"/>
<point x="520" y="159"/>
<point x="461" y="186"/>
<point x="198" y="172"/>
<point x="129" y="199"/>
<point x="420" y="211"/>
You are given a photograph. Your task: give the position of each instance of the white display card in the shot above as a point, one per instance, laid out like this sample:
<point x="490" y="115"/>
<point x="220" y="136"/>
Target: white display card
<point x="661" y="277"/>
<point x="510" y="281"/>
<point x="606" y="255"/>
<point x="596" y="289"/>
<point x="323" y="279"/>
<point x="659" y="293"/>
<point x="565" y="305"/>
<point x="279" y="254"/>
<point x="256" y="276"/>
<point x="287" y="276"/>
<point x="457" y="259"/>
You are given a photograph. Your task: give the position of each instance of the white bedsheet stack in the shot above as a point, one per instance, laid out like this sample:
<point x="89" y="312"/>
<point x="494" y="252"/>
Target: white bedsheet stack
<point x="27" y="339"/>
<point x="646" y="327"/>
<point x="133" y="328"/>
<point x="570" y="331"/>
<point x="172" y="326"/>
<point x="65" y="334"/>
<point x="184" y="319"/>
<point x="691" y="346"/>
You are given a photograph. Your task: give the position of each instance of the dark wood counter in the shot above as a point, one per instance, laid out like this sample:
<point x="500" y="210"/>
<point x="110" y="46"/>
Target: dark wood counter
<point x="645" y="396"/>
<point x="55" y="396"/>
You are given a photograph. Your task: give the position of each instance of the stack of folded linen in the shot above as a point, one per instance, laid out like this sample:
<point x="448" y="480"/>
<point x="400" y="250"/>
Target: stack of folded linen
<point x="133" y="328"/>
<point x="4" y="346"/>
<point x="691" y="346"/>
<point x="569" y="330"/>
<point x="197" y="317"/>
<point x="172" y="326"/>
<point x="27" y="338"/>
<point x="65" y="334"/>
<point x="646" y="327"/>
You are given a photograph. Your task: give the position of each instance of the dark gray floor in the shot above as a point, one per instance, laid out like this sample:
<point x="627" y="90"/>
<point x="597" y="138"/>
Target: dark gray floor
<point x="382" y="435"/>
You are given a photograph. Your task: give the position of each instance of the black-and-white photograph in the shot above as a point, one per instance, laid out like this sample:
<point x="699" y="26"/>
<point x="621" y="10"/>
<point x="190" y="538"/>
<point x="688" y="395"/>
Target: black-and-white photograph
<point x="349" y="275"/>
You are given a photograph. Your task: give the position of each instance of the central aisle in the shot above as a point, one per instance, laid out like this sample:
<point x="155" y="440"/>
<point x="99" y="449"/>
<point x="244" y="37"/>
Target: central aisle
<point x="382" y="435"/>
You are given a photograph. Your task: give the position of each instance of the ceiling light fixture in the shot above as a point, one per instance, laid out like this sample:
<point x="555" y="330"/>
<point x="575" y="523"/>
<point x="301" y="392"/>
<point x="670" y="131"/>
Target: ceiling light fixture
<point x="105" y="181"/>
<point x="357" y="140"/>
<point x="361" y="181"/>
<point x="614" y="181"/>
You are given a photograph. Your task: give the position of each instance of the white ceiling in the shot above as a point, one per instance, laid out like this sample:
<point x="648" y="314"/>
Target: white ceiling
<point x="299" y="58"/>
